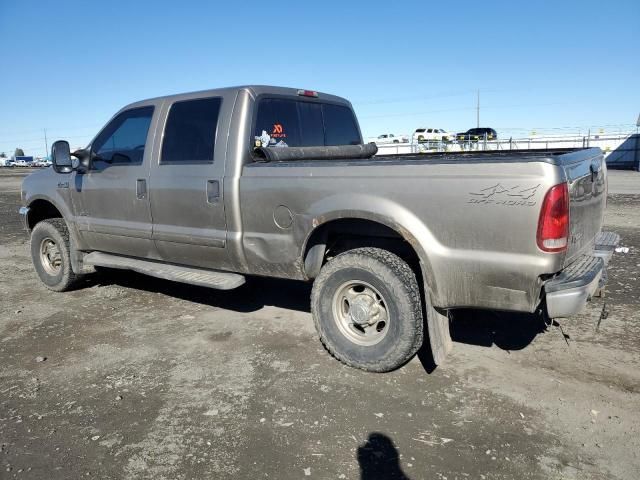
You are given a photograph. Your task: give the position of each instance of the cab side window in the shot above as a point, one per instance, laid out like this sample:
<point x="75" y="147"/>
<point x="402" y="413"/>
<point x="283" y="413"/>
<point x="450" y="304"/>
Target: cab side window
<point x="123" y="140"/>
<point x="190" y="133"/>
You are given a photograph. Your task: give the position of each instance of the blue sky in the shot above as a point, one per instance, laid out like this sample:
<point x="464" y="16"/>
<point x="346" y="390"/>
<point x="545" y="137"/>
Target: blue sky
<point x="558" y="67"/>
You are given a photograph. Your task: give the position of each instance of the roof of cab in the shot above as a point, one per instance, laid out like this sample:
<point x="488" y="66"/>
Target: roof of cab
<point x="254" y="91"/>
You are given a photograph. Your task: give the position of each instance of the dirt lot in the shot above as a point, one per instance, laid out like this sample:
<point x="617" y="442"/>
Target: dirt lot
<point x="145" y="378"/>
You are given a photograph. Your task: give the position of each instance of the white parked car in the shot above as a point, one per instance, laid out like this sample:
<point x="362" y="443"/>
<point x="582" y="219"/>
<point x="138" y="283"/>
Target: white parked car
<point x="21" y="163"/>
<point x="432" y="134"/>
<point x="390" y="138"/>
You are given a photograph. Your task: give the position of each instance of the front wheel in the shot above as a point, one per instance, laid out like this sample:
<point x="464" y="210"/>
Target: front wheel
<point x="367" y="309"/>
<point x="50" y="254"/>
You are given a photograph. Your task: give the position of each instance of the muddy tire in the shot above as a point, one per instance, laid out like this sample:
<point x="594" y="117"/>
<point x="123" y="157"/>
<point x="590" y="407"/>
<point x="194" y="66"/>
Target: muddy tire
<point x="367" y="309"/>
<point x="50" y="254"/>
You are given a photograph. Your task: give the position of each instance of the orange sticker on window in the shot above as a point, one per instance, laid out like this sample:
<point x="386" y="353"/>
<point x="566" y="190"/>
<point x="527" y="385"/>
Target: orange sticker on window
<point x="278" y="131"/>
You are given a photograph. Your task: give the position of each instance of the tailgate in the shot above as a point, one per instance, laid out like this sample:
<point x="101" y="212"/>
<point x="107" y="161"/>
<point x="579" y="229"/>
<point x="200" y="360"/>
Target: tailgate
<point x="587" y="182"/>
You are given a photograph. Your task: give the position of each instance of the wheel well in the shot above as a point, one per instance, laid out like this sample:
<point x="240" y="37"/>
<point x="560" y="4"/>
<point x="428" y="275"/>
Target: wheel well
<point x="41" y="210"/>
<point x="338" y="236"/>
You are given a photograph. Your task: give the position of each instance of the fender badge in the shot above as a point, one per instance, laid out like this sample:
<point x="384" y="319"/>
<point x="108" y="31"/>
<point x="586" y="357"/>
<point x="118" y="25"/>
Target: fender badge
<point x="498" y="194"/>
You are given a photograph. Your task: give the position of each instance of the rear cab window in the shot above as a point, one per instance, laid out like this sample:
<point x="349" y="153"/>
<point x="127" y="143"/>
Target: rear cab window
<point x="284" y="122"/>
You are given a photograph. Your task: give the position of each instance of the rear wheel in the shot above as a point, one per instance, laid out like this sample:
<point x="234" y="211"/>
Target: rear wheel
<point x="367" y="310"/>
<point x="50" y="254"/>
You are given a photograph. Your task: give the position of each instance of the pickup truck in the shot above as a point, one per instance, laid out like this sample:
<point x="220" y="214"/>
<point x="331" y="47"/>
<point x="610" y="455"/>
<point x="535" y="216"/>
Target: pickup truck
<point x="210" y="187"/>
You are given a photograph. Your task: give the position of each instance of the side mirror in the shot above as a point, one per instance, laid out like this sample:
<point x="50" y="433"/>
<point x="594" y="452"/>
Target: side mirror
<point x="61" y="157"/>
<point x="83" y="162"/>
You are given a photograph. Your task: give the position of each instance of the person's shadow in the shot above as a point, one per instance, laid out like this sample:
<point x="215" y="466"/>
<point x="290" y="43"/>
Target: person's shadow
<point x="379" y="459"/>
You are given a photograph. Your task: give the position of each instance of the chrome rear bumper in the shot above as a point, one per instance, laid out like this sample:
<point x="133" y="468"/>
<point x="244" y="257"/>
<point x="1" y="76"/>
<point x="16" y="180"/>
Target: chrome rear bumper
<point x="569" y="291"/>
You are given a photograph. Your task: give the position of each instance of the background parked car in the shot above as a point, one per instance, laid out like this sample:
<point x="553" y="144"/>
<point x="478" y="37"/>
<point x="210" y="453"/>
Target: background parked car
<point x="390" y="138"/>
<point x="431" y="134"/>
<point x="477" y="134"/>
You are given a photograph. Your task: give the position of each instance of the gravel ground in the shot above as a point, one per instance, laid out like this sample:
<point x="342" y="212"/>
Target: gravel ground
<point x="134" y="377"/>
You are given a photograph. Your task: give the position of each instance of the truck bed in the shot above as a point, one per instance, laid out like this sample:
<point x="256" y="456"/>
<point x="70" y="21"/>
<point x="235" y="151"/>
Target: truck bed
<point x="476" y="224"/>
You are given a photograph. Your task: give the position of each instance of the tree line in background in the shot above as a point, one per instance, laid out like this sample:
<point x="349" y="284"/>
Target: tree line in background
<point x="18" y="153"/>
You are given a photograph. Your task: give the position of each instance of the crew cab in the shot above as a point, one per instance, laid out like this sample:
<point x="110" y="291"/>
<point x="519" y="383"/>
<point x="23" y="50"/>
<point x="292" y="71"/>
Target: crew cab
<point x="210" y="187"/>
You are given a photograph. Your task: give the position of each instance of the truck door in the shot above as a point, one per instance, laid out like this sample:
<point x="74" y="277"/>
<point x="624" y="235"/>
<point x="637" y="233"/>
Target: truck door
<point x="186" y="193"/>
<point x="111" y="198"/>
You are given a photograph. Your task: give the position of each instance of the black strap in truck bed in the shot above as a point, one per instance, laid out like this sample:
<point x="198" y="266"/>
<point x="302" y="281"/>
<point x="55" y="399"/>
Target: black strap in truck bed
<point x="340" y="152"/>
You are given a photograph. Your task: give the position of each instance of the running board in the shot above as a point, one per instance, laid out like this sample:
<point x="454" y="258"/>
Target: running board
<point x="176" y="273"/>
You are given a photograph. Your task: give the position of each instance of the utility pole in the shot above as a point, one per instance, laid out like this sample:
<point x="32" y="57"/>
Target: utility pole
<point x="478" y="110"/>
<point x="46" y="144"/>
<point x="636" y="159"/>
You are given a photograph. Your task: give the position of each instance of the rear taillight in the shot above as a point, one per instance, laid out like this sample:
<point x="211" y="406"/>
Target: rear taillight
<point x="553" y="225"/>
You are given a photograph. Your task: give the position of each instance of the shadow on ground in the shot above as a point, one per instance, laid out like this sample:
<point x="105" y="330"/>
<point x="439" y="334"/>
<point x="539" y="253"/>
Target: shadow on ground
<point x="379" y="459"/>
<point x="485" y="328"/>
<point x="506" y="330"/>
<point x="250" y="297"/>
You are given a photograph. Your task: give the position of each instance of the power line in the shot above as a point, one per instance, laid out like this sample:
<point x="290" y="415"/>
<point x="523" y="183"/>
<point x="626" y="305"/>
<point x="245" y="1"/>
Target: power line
<point x="490" y="107"/>
<point x="456" y="93"/>
<point x="93" y="127"/>
<point x="39" y="139"/>
<point x="409" y="99"/>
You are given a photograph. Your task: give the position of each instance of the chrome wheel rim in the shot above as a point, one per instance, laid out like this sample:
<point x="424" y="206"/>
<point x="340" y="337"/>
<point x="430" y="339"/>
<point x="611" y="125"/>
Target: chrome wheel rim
<point x="361" y="313"/>
<point x="50" y="257"/>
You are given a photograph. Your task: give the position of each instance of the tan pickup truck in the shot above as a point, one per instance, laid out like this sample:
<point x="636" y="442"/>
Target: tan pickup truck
<point x="210" y="187"/>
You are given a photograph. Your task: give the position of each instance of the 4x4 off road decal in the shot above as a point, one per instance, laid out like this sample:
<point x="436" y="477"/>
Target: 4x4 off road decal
<point x="498" y="194"/>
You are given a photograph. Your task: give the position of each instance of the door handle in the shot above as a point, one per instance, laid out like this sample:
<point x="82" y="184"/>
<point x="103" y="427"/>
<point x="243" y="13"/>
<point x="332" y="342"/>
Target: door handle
<point x="141" y="188"/>
<point x="213" y="191"/>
